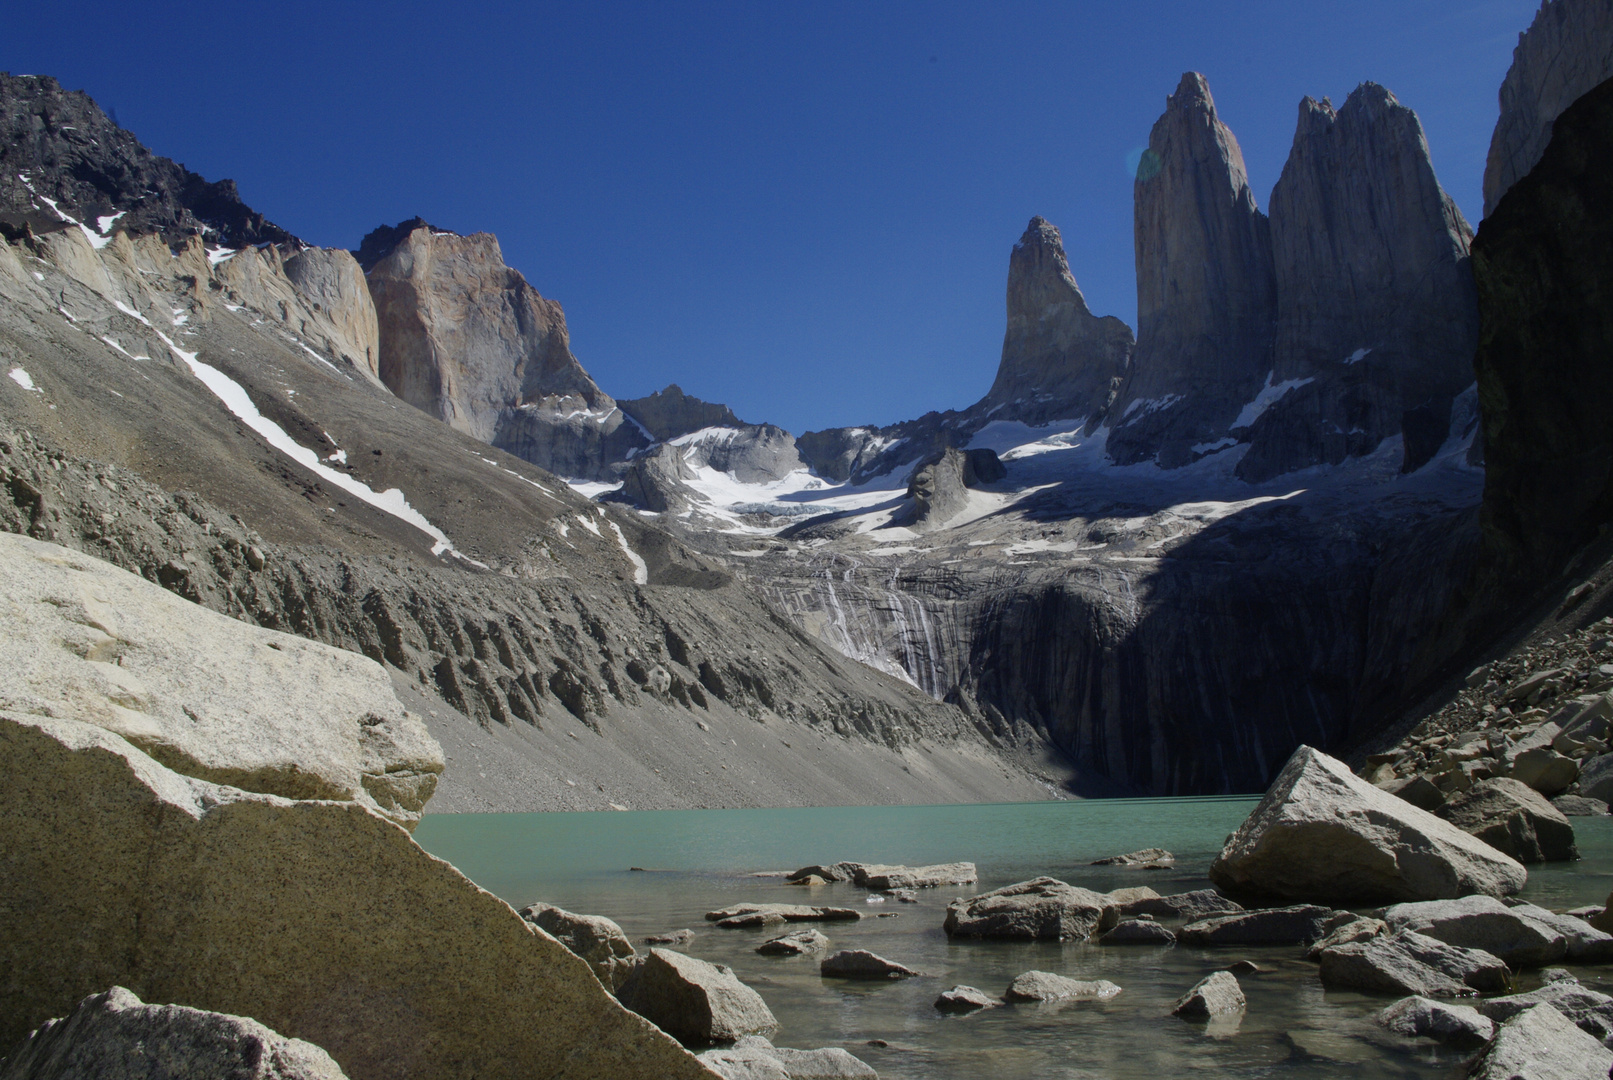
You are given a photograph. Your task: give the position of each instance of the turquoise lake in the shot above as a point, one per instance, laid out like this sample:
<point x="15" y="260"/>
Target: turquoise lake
<point x="695" y="861"/>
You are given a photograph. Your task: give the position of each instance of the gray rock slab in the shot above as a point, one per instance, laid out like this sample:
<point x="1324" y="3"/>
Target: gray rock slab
<point x="794" y="944"/>
<point x="116" y="1036"/>
<point x="1043" y="908"/>
<point x="1137" y="858"/>
<point x="962" y="998"/>
<point x="1300" y="924"/>
<point x="1137" y="932"/>
<point x="695" y="1001"/>
<point x="874" y="876"/>
<point x="1360" y="929"/>
<point x="1513" y="818"/>
<point x="1408" y="963"/>
<point x="1483" y="922"/>
<point x="1541" y="1044"/>
<point x="1217" y="995"/>
<point x="862" y="964"/>
<point x="1321" y="833"/>
<point x="1461" y="1026"/>
<point x="1590" y="1010"/>
<point x="747" y="916"/>
<point x="1048" y="987"/>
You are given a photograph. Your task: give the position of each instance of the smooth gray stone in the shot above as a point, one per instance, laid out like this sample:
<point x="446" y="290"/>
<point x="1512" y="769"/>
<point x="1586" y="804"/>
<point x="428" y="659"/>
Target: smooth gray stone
<point x="1216" y="995"/>
<point x="1042" y="908"/>
<point x="1048" y="987"/>
<point x="694" y="1001"/>
<point x="1541" y="1044"/>
<point x="1483" y="922"/>
<point x="1406" y="962"/>
<point x="965" y="999"/>
<point x="862" y="964"/>
<point x="1458" y="1025"/>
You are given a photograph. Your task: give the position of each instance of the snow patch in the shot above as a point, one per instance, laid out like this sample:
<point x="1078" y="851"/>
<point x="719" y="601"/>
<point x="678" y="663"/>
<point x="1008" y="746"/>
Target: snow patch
<point x="1269" y="395"/>
<point x="588" y="524"/>
<point x="131" y="312"/>
<point x="591" y="489"/>
<point x="218" y="255"/>
<point x="24" y="380"/>
<point x="1356" y="357"/>
<point x="1150" y="405"/>
<point x="641" y="570"/>
<point x="104" y="224"/>
<point x="1200" y="449"/>
<point x="239" y="402"/>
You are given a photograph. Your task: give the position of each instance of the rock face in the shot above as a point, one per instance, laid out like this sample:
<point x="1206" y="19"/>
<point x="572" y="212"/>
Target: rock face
<point x="116" y="1036"/>
<point x="1409" y="963"/>
<point x="695" y="1001"/>
<point x="1059" y="360"/>
<point x="71" y="152"/>
<point x="668" y="413"/>
<point x="1217" y="995"/>
<point x="1561" y="57"/>
<point x="1543" y="262"/>
<point x="464" y="338"/>
<point x="1513" y="819"/>
<point x="204" y="694"/>
<point x="332" y="281"/>
<point x="598" y="941"/>
<point x="1322" y="832"/>
<point x="1043" y="908"/>
<point x="310" y="917"/>
<point x="940" y="488"/>
<point x="1540" y="1042"/>
<point x="1376" y="312"/>
<point x="1047" y="987"/>
<point x="1206" y="292"/>
<point x="1461" y="1026"/>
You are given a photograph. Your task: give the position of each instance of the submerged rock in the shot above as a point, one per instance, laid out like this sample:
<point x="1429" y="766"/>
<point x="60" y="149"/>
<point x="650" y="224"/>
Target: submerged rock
<point x="1217" y="995"/>
<point x="118" y="1037"/>
<point x="1513" y="819"/>
<point x="1042" y="908"/>
<point x="1461" y="1026"/>
<point x="1409" y="963"/>
<point x="965" y="999"/>
<point x="742" y="916"/>
<point x="1045" y="986"/>
<point x="1321" y="832"/>
<point x="695" y="1001"/>
<point x="1540" y="1042"/>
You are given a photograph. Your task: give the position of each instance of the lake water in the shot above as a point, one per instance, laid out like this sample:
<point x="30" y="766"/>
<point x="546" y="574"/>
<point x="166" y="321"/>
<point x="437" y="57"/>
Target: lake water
<point x="699" y="860"/>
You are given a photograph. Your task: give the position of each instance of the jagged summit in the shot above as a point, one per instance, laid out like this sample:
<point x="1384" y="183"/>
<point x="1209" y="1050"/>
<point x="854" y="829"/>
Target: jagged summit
<point x="380" y="241"/>
<point x="669" y="413"/>
<point x="64" y="163"/>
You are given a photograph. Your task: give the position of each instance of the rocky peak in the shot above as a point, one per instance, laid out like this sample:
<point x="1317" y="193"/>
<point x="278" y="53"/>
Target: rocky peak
<point x="668" y="413"/>
<point x="1206" y="295"/>
<point x="1059" y="360"/>
<point x="1565" y="53"/>
<point x="1376" y="313"/>
<point x="58" y="147"/>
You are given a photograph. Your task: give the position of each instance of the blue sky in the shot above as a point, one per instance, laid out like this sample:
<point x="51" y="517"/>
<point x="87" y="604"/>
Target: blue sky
<point x="803" y="211"/>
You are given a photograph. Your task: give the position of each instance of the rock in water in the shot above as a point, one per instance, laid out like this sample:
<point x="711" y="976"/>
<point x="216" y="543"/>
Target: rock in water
<point x="464" y="338"/>
<point x="594" y="938"/>
<point x="1461" y="1026"/>
<point x="1138" y="932"/>
<point x="1539" y="1043"/>
<point x="1137" y="858"/>
<point x="1217" y="995"/>
<point x="965" y="999"/>
<point x="1376" y="310"/>
<point x="1566" y="52"/>
<point x="754" y="1058"/>
<point x="1042" y="908"/>
<point x="311" y="917"/>
<point x="695" y="1001"/>
<point x="1543" y="261"/>
<point x="741" y="916"/>
<point x="1059" y="360"/>
<point x="1206" y="291"/>
<point x="1514" y="819"/>
<point x="1409" y="963"/>
<point x="1321" y="832"/>
<point x="206" y="695"/>
<point x="1298" y="925"/>
<point x="1357" y="929"/>
<point x="794" y="944"/>
<point x="1483" y="922"/>
<point x="116" y="1035"/>
<point x="1045" y="986"/>
<point x="1591" y="1011"/>
<point x="862" y="964"/>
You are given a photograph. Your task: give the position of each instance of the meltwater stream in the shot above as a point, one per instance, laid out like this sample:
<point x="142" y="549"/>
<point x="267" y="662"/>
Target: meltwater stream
<point x="698" y="860"/>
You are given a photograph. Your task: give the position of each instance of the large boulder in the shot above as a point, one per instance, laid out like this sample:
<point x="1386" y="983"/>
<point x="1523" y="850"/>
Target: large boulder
<point x="116" y="1036"/>
<point x="1461" y="1026"/>
<point x="206" y="695"/>
<point x="322" y="920"/>
<point x="1591" y="1010"/>
<point x="754" y="1058"/>
<point x="1541" y="1044"/>
<point x="1188" y="906"/>
<point x="1048" y="987"/>
<point x="1583" y="943"/>
<point x="1297" y="925"/>
<point x="1596" y="778"/>
<point x="1042" y="908"/>
<point x="596" y="939"/>
<point x="1483" y="922"/>
<point x="1217" y="995"/>
<point x="1323" y="834"/>
<point x="695" y="1001"/>
<point x="1409" y="963"/>
<point x="1514" y="819"/>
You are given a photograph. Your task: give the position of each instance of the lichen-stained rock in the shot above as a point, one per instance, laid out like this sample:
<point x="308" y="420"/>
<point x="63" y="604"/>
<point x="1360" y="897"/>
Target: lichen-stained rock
<point x="208" y="696"/>
<point x="1323" y="833"/>
<point x="1043" y="908"/>
<point x="1514" y="819"/>
<point x="1206" y="292"/>
<point x="116" y="1036"/>
<point x="1059" y="360"/>
<point x="1376" y="311"/>
<point x="596" y="939"/>
<point x="1216" y="995"/>
<point x="695" y="1001"/>
<point x="1566" y="52"/>
<point x="321" y="920"/>
<point x="1541" y="1044"/>
<point x="1409" y="963"/>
